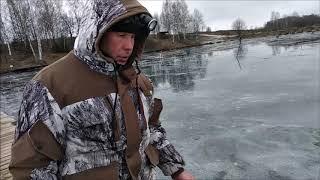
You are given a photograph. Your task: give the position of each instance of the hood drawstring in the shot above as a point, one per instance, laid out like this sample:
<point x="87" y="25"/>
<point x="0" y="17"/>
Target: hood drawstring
<point x="113" y="123"/>
<point x="137" y="89"/>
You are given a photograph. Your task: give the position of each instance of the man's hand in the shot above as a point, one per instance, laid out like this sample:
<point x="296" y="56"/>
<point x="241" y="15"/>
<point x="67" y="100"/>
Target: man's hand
<point x="185" y="175"/>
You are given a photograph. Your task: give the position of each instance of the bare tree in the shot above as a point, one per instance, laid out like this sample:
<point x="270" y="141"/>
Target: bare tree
<point x="22" y="22"/>
<point x="183" y="17"/>
<point x="175" y="19"/>
<point x="78" y="11"/>
<point x="239" y="25"/>
<point x="274" y="17"/>
<point x="33" y="21"/>
<point x="49" y="18"/>
<point x="166" y="15"/>
<point x="34" y="15"/>
<point x="285" y="21"/>
<point x="5" y="27"/>
<point x="17" y="20"/>
<point x="190" y="27"/>
<point x="158" y="27"/>
<point x="197" y="21"/>
<point x="295" y="14"/>
<point x="67" y="25"/>
<point x="2" y="30"/>
<point x="208" y="29"/>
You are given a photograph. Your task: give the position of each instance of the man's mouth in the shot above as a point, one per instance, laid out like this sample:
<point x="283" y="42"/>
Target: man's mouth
<point x="122" y="60"/>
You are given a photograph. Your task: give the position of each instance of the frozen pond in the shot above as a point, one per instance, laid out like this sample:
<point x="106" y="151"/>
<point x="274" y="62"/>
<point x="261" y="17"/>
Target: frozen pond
<point x="258" y="122"/>
<point x="253" y="119"/>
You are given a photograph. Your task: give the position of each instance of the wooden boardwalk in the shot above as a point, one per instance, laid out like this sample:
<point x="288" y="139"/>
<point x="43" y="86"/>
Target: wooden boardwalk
<point x="6" y="139"/>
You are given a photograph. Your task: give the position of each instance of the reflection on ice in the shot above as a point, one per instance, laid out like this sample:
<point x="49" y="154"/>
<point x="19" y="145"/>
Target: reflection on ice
<point x="240" y="53"/>
<point x="178" y="71"/>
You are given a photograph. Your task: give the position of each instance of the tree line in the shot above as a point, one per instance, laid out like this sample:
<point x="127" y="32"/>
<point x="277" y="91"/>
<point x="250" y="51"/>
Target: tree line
<point x="289" y="21"/>
<point x="277" y="22"/>
<point x="176" y="19"/>
<point x="38" y="26"/>
<point x="41" y="25"/>
<point x="51" y="25"/>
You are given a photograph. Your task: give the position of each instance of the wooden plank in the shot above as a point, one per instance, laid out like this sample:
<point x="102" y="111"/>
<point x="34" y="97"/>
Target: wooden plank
<point x="6" y="176"/>
<point x="5" y="149"/>
<point x="4" y="146"/>
<point x="6" y="138"/>
<point x="8" y="128"/>
<point x="4" y="167"/>
<point x="6" y="143"/>
<point x="5" y="172"/>
<point x="6" y="125"/>
<point x="5" y="161"/>
<point x="7" y="133"/>
<point x="6" y="153"/>
<point x="5" y="158"/>
<point x="2" y="138"/>
<point x="7" y="120"/>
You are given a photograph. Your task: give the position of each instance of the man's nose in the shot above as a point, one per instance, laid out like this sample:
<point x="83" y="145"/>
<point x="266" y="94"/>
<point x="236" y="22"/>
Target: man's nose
<point x="128" y="44"/>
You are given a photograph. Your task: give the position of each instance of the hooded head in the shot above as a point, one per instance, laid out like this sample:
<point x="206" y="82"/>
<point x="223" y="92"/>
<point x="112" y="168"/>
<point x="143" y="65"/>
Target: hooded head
<point x="111" y="16"/>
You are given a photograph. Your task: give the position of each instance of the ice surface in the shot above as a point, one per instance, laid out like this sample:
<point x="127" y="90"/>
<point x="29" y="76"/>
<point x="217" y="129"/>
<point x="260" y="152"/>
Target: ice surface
<point x="256" y="119"/>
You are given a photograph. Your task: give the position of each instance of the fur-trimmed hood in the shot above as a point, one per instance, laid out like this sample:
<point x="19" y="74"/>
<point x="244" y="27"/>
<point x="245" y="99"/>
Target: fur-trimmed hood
<point x="104" y="14"/>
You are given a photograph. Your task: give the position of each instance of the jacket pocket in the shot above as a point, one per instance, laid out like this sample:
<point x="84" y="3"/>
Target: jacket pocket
<point x="100" y="173"/>
<point x="157" y="108"/>
<point x="152" y="154"/>
<point x="35" y="149"/>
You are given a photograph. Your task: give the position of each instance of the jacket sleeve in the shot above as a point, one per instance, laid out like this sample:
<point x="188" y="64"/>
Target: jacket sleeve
<point x="39" y="136"/>
<point x="170" y="161"/>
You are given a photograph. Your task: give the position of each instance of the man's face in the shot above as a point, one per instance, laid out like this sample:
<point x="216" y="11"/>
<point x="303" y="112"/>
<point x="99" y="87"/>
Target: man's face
<point x="118" y="45"/>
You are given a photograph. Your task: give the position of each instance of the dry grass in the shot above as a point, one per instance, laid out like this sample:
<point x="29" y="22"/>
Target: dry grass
<point x="20" y="62"/>
<point x="155" y="44"/>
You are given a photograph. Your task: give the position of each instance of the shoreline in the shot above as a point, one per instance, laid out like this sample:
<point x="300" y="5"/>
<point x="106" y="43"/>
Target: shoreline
<point x="207" y="41"/>
<point x="44" y="64"/>
<point x="23" y="69"/>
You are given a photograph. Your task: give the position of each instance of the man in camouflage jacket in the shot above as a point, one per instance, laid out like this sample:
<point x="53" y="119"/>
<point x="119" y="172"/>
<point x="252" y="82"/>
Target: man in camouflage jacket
<point x="91" y="114"/>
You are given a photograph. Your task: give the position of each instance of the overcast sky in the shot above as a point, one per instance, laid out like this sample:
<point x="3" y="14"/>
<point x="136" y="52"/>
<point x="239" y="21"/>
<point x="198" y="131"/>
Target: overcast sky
<point x="220" y="14"/>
